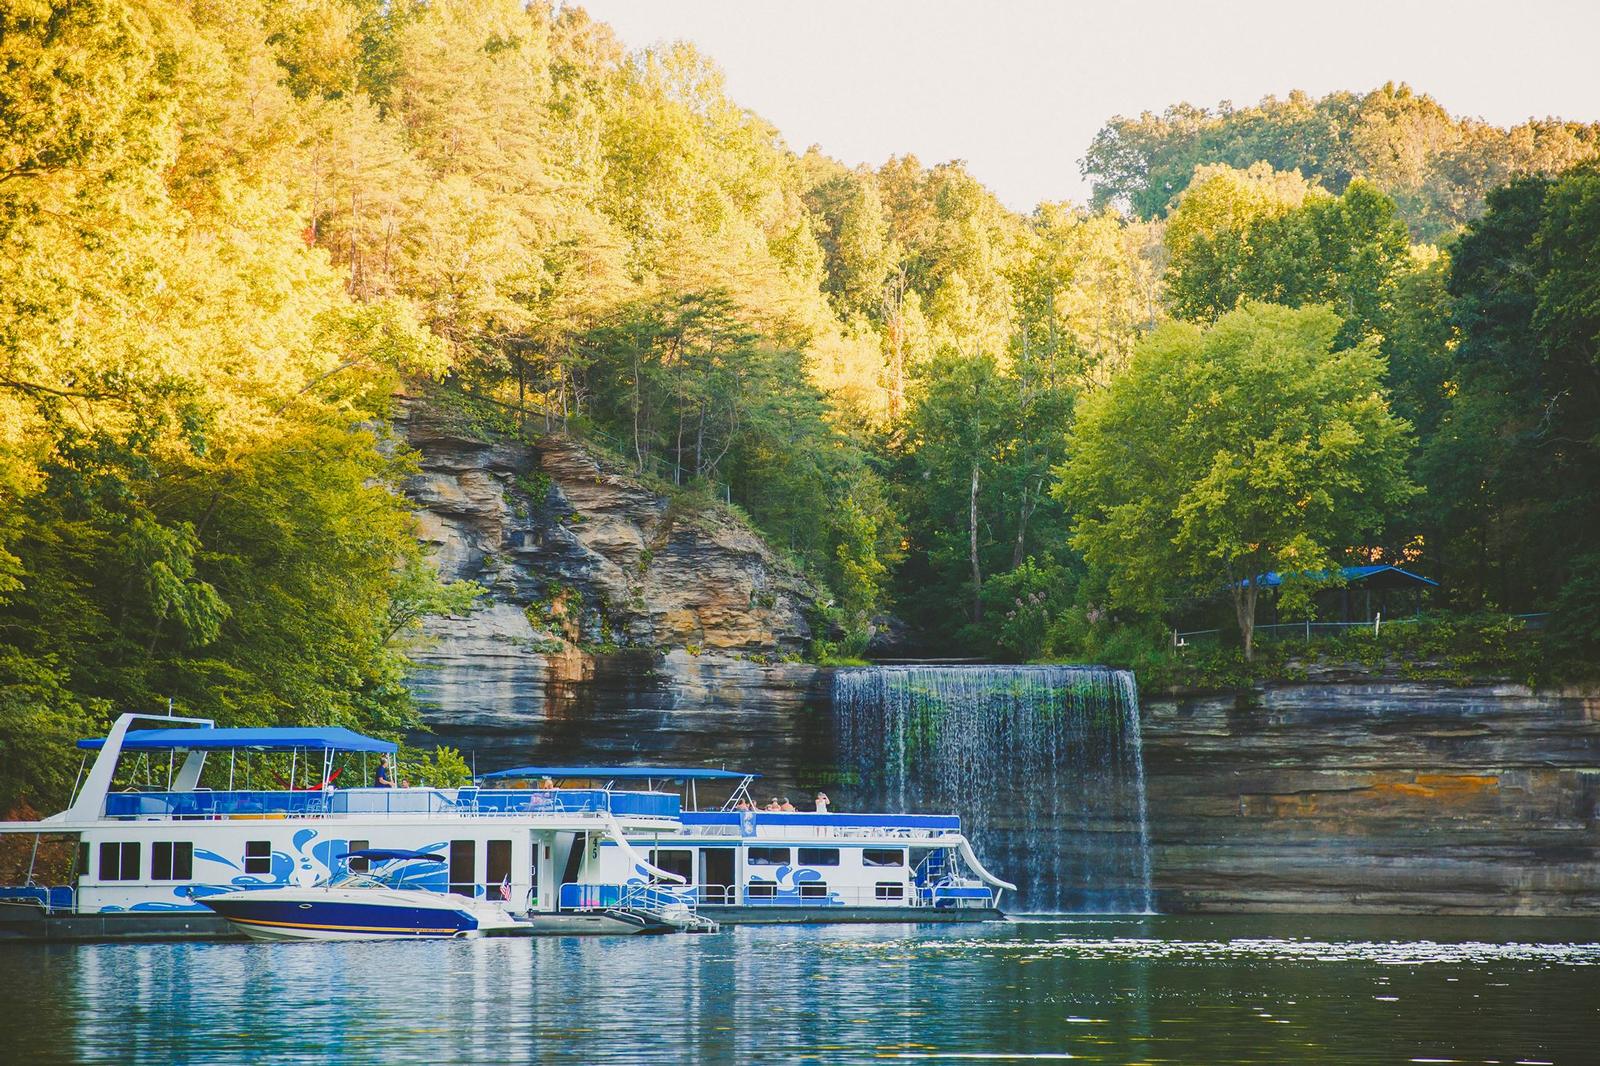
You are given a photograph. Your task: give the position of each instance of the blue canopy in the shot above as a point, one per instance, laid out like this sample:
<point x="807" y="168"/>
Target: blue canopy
<point x="1272" y="579"/>
<point x="391" y="855"/>
<point x="325" y="738"/>
<point x="628" y="773"/>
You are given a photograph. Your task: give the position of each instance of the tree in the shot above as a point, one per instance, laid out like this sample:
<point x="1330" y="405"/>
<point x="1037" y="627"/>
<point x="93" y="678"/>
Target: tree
<point x="1515" y="462"/>
<point x="190" y="506"/>
<point x="1256" y="445"/>
<point x="1437" y="167"/>
<point x="1082" y="297"/>
<point x="1263" y="235"/>
<point x="962" y="413"/>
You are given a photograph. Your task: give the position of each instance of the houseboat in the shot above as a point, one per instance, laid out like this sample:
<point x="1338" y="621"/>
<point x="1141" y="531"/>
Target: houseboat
<point x="742" y="864"/>
<point x="169" y="815"/>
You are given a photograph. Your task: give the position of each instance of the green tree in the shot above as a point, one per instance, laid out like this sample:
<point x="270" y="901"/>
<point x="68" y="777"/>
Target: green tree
<point x="1437" y="167"/>
<point x="1515" y="463"/>
<point x="1256" y="445"/>
<point x="1266" y="236"/>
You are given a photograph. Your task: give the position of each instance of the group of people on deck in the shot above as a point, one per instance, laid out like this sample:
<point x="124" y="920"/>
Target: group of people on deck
<point x="782" y="805"/>
<point x="385" y="779"/>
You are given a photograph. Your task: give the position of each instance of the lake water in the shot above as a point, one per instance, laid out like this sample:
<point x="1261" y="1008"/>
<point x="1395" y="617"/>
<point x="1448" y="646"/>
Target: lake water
<point x="1248" y="989"/>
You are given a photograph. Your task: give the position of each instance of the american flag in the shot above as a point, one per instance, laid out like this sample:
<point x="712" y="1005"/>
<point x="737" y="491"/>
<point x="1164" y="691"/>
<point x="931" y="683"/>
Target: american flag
<point x="505" y="888"/>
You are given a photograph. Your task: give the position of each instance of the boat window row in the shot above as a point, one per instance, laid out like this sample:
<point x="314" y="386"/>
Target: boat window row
<point x="680" y="861"/>
<point x="770" y="856"/>
<point x="170" y="860"/>
<point x="819" y="890"/>
<point x="173" y="860"/>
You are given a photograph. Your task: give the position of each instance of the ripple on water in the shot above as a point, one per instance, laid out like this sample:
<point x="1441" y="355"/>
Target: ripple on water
<point x="1385" y="952"/>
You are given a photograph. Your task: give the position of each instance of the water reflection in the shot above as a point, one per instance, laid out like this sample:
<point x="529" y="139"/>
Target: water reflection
<point x="1152" y="990"/>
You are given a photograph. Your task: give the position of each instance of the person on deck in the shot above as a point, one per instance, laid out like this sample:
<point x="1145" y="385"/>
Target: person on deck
<point x="822" y="802"/>
<point x="384" y="778"/>
<point x="774" y="805"/>
<point x="547" y="782"/>
<point x="787" y="806"/>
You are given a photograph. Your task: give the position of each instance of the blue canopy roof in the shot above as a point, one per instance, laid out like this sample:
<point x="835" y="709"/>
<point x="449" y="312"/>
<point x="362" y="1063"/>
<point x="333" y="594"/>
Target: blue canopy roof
<point x="324" y="738"/>
<point x="1271" y="579"/>
<point x="632" y="773"/>
<point x="394" y="855"/>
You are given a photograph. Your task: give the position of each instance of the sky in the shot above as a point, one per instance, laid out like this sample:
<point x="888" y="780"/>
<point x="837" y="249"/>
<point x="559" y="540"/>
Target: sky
<point x="1018" y="88"/>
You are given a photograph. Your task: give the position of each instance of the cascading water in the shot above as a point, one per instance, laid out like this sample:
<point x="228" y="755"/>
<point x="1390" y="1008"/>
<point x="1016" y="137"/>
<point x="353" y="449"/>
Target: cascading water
<point x="1043" y="763"/>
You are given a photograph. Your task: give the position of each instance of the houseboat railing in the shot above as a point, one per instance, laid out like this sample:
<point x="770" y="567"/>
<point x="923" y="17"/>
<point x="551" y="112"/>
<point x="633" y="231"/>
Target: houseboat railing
<point x="822" y="826"/>
<point x="52" y="899"/>
<point x="821" y="894"/>
<point x="205" y="804"/>
<point x="651" y="899"/>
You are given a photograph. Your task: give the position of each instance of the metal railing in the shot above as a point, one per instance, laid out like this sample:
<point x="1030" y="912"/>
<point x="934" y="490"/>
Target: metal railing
<point x="1309" y="631"/>
<point x="204" y="804"/>
<point x="1285" y="631"/>
<point x="822" y="894"/>
<point x="806" y="825"/>
<point x="647" y="898"/>
<point x="49" y="898"/>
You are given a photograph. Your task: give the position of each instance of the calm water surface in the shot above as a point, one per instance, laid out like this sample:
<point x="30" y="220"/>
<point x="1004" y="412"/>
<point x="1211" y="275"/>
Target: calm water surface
<point x="1190" y="990"/>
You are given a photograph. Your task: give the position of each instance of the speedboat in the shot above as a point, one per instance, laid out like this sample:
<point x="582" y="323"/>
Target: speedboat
<point x="365" y="904"/>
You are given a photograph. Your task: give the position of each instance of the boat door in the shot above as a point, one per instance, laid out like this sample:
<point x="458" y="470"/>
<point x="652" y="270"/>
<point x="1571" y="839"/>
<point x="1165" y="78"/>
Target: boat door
<point x="717" y="876"/>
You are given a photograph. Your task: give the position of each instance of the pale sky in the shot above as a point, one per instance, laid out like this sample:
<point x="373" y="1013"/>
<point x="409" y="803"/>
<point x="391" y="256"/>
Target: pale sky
<point x="1017" y="88"/>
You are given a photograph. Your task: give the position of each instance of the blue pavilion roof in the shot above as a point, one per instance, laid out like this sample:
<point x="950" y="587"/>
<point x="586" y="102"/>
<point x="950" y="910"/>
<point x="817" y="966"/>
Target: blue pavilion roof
<point x="619" y="773"/>
<point x="1272" y="578"/>
<point x="323" y="738"/>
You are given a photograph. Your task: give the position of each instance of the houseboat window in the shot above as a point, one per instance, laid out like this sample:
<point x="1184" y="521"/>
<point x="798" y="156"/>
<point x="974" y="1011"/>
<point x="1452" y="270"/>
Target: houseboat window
<point x="171" y="860"/>
<point x="761" y="890"/>
<point x="497" y="868"/>
<point x="119" y="862"/>
<point x="678" y="861"/>
<point x="890" y="890"/>
<point x="463" y="867"/>
<point x="819" y="856"/>
<point x="716" y="867"/>
<point x="883" y="857"/>
<point x="768" y="857"/>
<point x="83" y="858"/>
<point x="359" y="866"/>
<point x="258" y="856"/>
<point x="813" y="890"/>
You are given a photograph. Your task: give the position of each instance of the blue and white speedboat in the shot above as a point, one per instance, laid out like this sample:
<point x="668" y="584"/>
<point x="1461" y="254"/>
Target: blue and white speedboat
<point x="370" y="903"/>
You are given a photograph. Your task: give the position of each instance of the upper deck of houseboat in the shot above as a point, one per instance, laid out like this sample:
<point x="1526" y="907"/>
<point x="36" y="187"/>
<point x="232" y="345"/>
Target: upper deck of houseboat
<point x="376" y="802"/>
<point x="174" y="763"/>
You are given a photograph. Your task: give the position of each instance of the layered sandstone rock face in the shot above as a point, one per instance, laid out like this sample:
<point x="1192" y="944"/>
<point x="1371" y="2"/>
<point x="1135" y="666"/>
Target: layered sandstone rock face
<point x="1348" y="794"/>
<point x="595" y="582"/>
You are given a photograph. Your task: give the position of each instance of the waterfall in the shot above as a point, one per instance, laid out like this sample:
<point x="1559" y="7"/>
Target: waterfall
<point x="1042" y="763"/>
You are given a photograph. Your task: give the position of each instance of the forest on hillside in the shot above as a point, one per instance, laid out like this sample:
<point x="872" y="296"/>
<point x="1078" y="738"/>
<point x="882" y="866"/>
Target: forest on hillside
<point x="1284" y="337"/>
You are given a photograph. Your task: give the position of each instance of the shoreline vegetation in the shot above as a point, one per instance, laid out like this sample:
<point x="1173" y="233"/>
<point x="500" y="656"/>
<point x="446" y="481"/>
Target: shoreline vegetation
<point x="1442" y="647"/>
<point x="1305" y="334"/>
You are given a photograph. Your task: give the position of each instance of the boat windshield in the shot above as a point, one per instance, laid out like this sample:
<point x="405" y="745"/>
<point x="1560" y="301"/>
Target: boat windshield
<point x="387" y="873"/>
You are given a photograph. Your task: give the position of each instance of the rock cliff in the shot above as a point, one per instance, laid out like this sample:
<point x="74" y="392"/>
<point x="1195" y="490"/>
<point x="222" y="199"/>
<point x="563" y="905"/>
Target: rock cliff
<point x="604" y="596"/>
<point x="1346" y="794"/>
